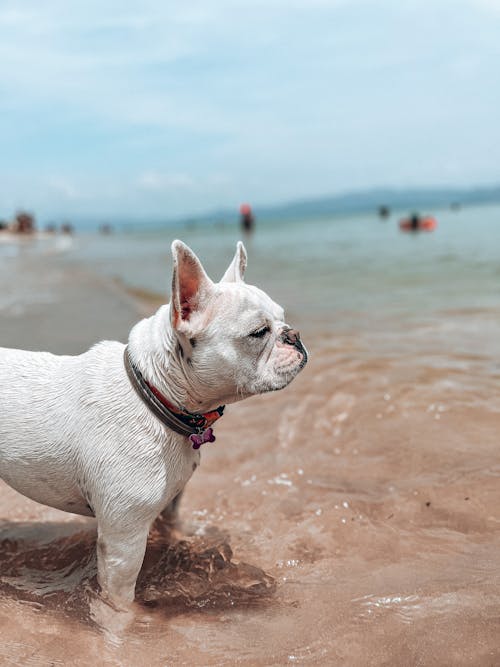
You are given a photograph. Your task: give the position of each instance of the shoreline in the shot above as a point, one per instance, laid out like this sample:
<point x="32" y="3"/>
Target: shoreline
<point x="66" y="309"/>
<point x="7" y="236"/>
<point x="147" y="301"/>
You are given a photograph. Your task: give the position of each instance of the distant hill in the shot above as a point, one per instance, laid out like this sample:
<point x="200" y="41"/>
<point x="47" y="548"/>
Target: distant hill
<point x="370" y="200"/>
<point x="418" y="199"/>
<point x="423" y="200"/>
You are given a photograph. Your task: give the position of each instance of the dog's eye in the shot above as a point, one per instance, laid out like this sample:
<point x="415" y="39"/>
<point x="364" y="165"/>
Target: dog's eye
<point x="260" y="333"/>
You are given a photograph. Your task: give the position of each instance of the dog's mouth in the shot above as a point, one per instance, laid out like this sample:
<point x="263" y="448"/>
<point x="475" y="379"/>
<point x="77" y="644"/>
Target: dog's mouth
<point x="290" y="371"/>
<point x="298" y="346"/>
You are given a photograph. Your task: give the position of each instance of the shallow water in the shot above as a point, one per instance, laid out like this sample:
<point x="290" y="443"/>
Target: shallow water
<point x="350" y="519"/>
<point x="334" y="271"/>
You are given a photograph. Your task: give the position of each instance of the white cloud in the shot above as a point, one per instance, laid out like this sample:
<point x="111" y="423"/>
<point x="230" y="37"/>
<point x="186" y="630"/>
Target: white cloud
<point x="63" y="187"/>
<point x="493" y="5"/>
<point x="159" y="182"/>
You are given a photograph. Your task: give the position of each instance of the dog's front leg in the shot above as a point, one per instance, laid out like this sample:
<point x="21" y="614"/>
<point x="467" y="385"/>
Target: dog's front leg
<point x="120" y="553"/>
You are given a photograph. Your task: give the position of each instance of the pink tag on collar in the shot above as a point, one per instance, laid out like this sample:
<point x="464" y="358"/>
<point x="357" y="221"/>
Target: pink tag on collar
<point x="199" y="440"/>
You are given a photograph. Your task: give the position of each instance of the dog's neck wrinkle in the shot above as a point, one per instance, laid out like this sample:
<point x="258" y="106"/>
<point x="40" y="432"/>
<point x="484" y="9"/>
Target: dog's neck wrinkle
<point x="195" y="395"/>
<point x="153" y="350"/>
<point x="195" y="401"/>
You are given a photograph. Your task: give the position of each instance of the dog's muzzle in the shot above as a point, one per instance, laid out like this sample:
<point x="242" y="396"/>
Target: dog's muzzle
<point x="292" y="337"/>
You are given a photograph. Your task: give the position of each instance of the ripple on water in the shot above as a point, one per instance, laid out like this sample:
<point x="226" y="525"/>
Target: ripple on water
<point x="403" y="606"/>
<point x="203" y="575"/>
<point x="201" y="572"/>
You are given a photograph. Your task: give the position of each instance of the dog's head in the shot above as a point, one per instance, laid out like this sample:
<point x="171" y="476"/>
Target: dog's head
<point x="232" y="337"/>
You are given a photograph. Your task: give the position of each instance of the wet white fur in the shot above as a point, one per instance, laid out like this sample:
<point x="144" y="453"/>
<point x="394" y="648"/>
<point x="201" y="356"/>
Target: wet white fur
<point x="74" y="434"/>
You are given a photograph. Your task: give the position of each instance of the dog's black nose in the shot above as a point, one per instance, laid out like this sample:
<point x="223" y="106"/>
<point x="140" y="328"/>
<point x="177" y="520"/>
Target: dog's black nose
<point x="290" y="336"/>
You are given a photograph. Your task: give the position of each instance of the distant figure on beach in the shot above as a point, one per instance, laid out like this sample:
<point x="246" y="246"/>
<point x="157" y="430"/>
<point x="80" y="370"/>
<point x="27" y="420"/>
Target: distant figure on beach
<point x="66" y="228"/>
<point x="384" y="211"/>
<point x="24" y="223"/>
<point x="415" y="221"/>
<point x="247" y="218"/>
<point x="105" y="229"/>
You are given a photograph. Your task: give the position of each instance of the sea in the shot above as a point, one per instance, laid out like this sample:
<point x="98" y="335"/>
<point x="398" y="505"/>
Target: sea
<point x="332" y="271"/>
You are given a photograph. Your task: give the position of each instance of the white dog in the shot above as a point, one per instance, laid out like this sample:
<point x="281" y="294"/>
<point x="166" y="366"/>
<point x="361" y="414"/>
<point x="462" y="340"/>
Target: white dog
<point x="115" y="432"/>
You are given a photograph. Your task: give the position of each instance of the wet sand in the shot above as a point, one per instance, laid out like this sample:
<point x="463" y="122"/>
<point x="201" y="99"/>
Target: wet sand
<point x="64" y="311"/>
<point x="351" y="519"/>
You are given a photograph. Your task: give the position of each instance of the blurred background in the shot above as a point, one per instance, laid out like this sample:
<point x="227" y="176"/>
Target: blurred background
<point x="355" y="147"/>
<point x="332" y="121"/>
<point x="159" y="111"/>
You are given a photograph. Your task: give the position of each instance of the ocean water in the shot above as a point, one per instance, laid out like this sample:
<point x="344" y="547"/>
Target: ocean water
<point x="329" y="270"/>
<point x="351" y="519"/>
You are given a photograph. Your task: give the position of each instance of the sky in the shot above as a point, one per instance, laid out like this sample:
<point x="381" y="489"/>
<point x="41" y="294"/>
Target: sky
<point x="165" y="108"/>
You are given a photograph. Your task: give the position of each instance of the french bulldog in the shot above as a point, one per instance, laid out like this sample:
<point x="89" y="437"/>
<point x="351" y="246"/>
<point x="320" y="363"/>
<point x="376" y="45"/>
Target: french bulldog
<point x="116" y="432"/>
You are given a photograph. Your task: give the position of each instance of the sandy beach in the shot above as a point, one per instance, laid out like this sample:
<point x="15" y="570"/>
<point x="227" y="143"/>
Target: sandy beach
<point x="351" y="519"/>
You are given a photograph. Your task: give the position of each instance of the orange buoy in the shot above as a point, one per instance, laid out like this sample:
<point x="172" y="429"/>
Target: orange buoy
<point x="417" y="224"/>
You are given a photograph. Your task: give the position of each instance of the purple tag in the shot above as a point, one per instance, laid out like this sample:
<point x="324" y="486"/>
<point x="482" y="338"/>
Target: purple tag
<point x="199" y="440"/>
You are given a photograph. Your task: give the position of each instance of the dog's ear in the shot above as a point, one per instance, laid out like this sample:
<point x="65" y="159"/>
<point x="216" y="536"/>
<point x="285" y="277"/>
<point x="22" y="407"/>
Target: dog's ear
<point x="190" y="285"/>
<point x="236" y="269"/>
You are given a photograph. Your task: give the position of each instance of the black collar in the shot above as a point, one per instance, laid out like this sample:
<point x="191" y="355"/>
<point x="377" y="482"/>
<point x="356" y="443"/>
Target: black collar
<point x="182" y="422"/>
